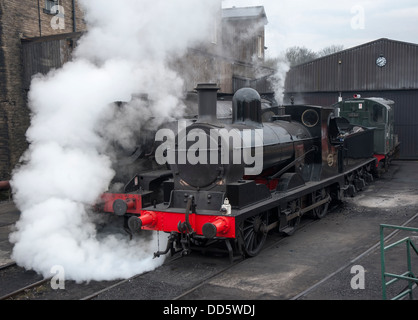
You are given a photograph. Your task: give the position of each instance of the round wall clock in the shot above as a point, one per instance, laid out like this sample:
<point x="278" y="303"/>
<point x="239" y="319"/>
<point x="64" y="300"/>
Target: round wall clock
<point x="381" y="61"/>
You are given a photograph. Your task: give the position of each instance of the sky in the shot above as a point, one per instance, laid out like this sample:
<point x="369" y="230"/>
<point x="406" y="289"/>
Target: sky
<point x="321" y="23"/>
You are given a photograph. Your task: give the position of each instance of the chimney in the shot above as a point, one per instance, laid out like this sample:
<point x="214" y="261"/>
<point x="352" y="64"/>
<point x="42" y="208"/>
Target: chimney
<point x="207" y="99"/>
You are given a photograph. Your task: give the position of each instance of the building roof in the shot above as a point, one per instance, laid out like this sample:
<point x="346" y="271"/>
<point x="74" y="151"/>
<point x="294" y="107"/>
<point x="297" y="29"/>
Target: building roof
<point x="359" y="69"/>
<point x="243" y="13"/>
<point x="364" y="45"/>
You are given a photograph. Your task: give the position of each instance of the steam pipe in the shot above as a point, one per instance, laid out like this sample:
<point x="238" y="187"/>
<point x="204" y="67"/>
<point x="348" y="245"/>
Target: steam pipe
<point x="278" y="174"/>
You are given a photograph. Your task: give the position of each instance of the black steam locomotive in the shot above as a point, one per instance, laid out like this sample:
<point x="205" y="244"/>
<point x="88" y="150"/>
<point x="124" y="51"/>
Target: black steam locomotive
<point x="231" y="180"/>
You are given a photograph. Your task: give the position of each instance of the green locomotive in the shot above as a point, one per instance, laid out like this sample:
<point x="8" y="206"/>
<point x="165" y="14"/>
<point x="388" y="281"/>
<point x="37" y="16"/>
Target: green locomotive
<point x="376" y="113"/>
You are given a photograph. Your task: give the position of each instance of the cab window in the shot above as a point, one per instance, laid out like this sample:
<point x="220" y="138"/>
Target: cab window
<point x="378" y="113"/>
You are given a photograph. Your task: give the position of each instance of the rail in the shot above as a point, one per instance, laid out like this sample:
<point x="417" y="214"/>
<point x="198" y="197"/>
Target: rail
<point x="408" y="275"/>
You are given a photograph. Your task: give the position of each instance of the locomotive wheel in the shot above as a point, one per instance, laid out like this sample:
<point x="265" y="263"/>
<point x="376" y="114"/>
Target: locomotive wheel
<point x="254" y="234"/>
<point x="321" y="211"/>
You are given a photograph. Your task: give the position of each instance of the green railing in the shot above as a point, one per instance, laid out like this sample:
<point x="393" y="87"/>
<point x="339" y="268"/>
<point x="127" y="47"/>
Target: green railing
<point x="408" y="275"/>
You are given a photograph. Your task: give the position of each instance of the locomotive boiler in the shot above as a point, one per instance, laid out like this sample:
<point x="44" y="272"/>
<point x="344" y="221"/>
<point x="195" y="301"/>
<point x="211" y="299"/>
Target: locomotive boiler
<point x="231" y="181"/>
<point x="216" y="153"/>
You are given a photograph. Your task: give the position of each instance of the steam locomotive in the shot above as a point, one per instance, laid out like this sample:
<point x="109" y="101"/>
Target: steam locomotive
<point x="225" y="183"/>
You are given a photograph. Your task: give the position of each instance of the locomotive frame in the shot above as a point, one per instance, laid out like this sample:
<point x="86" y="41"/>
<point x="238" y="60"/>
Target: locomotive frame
<point x="330" y="158"/>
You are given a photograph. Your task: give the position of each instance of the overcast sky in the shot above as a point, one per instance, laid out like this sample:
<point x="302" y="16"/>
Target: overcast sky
<point x="321" y="23"/>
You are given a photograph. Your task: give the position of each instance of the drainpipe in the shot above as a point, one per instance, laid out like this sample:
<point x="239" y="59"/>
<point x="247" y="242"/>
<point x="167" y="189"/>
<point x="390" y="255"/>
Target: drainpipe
<point x="39" y="19"/>
<point x="74" y="18"/>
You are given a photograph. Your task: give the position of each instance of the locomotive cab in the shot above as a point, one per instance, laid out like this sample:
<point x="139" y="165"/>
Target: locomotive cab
<point x="376" y="113"/>
<point x="343" y="144"/>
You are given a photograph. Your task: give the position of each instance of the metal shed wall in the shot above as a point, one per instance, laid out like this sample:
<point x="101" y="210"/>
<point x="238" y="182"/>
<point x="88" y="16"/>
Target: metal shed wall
<point x="356" y="69"/>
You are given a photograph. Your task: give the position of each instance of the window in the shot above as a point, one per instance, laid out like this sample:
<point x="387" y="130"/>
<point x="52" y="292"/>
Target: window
<point x="378" y="115"/>
<point x="214" y="35"/>
<point x="260" y="47"/>
<point x="310" y="118"/>
<point x="49" y="4"/>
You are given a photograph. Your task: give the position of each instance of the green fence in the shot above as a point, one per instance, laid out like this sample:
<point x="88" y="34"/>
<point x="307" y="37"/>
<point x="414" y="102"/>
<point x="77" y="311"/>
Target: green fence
<point x="408" y="275"/>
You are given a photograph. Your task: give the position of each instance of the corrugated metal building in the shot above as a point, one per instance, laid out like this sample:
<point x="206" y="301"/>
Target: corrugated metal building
<point x="382" y="68"/>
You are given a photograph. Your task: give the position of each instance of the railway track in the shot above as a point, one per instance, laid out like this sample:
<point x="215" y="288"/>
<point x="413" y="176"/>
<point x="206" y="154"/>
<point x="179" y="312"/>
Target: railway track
<point x="16" y="281"/>
<point x="193" y="277"/>
<point x="41" y="288"/>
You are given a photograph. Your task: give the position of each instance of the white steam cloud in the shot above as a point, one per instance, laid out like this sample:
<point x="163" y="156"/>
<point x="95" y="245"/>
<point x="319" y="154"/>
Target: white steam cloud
<point x="278" y="79"/>
<point x="66" y="168"/>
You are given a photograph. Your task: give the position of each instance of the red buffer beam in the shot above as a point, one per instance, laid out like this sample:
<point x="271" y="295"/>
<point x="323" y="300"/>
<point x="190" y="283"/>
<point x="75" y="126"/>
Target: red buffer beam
<point x="207" y="225"/>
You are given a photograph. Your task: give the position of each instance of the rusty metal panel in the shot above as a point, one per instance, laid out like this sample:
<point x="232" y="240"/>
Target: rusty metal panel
<point x="40" y="57"/>
<point x="41" y="54"/>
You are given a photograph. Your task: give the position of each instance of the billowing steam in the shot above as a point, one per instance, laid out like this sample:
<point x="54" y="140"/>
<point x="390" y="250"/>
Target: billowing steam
<point x="74" y="119"/>
<point x="277" y="80"/>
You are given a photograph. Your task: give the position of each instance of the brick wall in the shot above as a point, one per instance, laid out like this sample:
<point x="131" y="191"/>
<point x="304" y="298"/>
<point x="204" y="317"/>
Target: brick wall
<point x="20" y="19"/>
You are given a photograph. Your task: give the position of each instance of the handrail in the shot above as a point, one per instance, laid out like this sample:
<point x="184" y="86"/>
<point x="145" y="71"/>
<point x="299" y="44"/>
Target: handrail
<point x="408" y="275"/>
